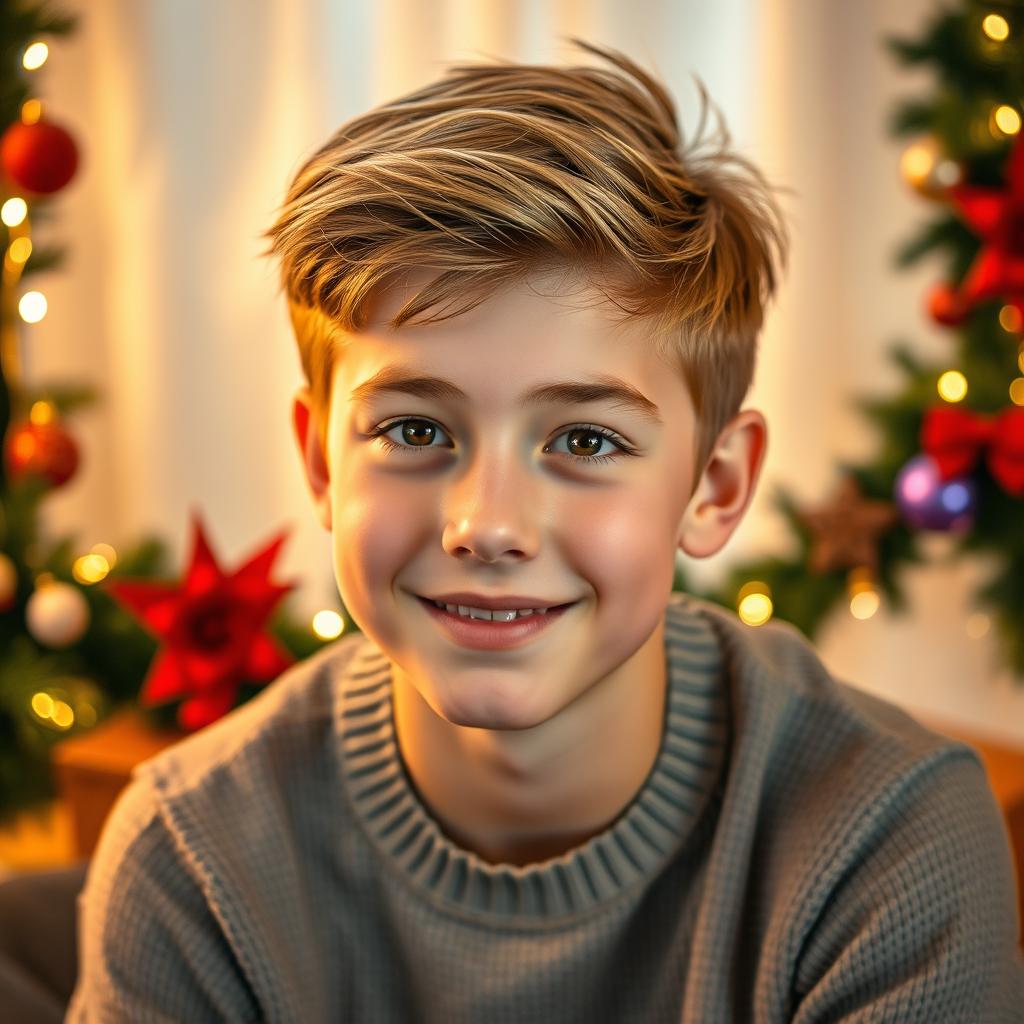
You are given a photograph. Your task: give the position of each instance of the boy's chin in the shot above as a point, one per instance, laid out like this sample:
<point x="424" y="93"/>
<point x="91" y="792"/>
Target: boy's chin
<point x="495" y="712"/>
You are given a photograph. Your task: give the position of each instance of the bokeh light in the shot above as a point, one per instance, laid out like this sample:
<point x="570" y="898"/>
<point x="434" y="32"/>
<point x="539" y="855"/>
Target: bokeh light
<point x="328" y="624"/>
<point x="952" y="386"/>
<point x="996" y="27"/>
<point x="35" y="56"/>
<point x="1010" y="319"/>
<point x="32" y="307"/>
<point x="754" y="603"/>
<point x="14" y="211"/>
<point x="864" y="604"/>
<point x="1006" y="119"/>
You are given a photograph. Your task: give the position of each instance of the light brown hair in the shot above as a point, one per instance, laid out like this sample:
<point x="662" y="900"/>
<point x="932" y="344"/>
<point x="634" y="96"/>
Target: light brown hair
<point x="499" y="170"/>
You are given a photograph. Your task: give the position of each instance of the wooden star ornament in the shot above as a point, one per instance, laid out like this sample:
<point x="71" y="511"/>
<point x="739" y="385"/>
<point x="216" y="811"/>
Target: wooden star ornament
<point x="847" y="528"/>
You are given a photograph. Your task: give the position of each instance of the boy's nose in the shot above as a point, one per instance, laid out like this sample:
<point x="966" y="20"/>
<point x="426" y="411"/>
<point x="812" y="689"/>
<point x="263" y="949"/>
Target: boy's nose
<point x="491" y="511"/>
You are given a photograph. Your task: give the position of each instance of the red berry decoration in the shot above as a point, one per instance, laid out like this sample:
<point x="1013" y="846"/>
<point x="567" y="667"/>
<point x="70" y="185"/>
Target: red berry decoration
<point x="41" y="449"/>
<point x="946" y="306"/>
<point x="40" y="157"/>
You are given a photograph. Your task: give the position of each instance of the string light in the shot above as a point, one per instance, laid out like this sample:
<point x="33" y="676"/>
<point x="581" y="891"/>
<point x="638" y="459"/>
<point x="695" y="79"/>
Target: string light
<point x="58" y="711"/>
<point x="35" y="56"/>
<point x="1010" y="319"/>
<point x="31" y="111"/>
<point x="62" y="716"/>
<point x="996" y="27"/>
<point x="1017" y="391"/>
<point x="42" y="704"/>
<point x="42" y="412"/>
<point x="1020" y="357"/>
<point x="1006" y="120"/>
<point x="754" y="603"/>
<point x="952" y="386"/>
<point x="917" y="161"/>
<point x="91" y="568"/>
<point x="20" y="249"/>
<point x="14" y="211"/>
<point x="32" y="307"/>
<point x="328" y="624"/>
<point x="864" y="604"/>
<point x="860" y="587"/>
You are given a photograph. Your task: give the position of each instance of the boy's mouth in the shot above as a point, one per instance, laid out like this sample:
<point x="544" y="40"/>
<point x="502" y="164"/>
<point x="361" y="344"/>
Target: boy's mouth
<point x="492" y="615"/>
<point x="478" y="631"/>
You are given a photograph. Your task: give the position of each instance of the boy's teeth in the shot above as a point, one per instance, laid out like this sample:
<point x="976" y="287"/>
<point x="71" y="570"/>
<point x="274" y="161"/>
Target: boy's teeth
<point x="499" y="615"/>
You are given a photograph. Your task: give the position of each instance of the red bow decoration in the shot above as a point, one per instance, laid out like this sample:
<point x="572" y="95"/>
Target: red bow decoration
<point x="954" y="438"/>
<point x="997" y="217"/>
<point x="213" y="628"/>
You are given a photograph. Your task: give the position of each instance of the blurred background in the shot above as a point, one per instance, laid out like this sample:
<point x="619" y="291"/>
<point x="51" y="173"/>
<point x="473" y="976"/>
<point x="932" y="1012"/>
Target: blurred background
<point x="190" y="118"/>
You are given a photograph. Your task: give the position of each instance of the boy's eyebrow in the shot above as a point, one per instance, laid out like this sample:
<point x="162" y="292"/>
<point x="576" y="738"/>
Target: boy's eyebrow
<point x="602" y="388"/>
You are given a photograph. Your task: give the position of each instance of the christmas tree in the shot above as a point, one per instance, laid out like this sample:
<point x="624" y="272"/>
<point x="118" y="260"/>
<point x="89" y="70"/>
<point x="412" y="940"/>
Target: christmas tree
<point x="85" y="631"/>
<point x="950" y="455"/>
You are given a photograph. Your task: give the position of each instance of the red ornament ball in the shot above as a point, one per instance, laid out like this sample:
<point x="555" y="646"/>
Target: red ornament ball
<point x="41" y="449"/>
<point x="946" y="307"/>
<point x="40" y="157"/>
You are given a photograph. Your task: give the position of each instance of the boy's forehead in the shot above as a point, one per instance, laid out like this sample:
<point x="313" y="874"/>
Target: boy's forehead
<point x="544" y="341"/>
<point x="546" y="290"/>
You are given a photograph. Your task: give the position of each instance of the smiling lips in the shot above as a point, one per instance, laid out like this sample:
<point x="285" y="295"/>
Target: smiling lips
<point x="488" y="634"/>
<point x="509" y="602"/>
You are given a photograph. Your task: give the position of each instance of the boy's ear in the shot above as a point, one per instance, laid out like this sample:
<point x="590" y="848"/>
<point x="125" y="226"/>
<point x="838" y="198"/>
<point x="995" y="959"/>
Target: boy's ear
<point x="726" y="485"/>
<point x="311" y="453"/>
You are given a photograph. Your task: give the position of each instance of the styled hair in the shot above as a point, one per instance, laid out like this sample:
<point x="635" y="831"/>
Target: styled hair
<point x="497" y="171"/>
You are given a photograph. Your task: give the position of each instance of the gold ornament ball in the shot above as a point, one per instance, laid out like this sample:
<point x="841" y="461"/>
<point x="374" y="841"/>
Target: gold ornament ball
<point x="57" y="614"/>
<point x="927" y="170"/>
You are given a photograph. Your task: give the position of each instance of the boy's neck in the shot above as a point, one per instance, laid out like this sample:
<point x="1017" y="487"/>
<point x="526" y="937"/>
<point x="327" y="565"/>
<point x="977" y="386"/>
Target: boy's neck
<point x="522" y="796"/>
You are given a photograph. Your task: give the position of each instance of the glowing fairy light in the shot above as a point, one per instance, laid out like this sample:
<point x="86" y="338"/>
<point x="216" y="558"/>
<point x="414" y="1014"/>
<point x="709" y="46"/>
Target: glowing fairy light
<point x="35" y="56"/>
<point x="328" y="624"/>
<point x="14" y="211"/>
<point x="754" y="603"/>
<point x="952" y="386"/>
<point x="32" y="307"/>
<point x="996" y="27"/>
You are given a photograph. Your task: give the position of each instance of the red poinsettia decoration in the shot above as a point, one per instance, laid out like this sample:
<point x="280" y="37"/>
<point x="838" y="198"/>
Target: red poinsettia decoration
<point x="213" y="628"/>
<point x="997" y="217"/>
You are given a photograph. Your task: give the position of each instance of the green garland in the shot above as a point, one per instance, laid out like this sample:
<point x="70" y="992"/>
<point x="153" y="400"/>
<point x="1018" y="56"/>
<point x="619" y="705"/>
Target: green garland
<point x="972" y="75"/>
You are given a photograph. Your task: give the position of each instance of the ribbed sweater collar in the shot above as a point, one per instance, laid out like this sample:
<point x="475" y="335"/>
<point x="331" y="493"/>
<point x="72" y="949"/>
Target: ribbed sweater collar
<point x="621" y="859"/>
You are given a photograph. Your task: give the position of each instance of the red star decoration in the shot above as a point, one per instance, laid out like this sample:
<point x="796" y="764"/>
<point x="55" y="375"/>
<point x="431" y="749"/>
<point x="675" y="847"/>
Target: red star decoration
<point x="997" y="217"/>
<point x="213" y="628"/>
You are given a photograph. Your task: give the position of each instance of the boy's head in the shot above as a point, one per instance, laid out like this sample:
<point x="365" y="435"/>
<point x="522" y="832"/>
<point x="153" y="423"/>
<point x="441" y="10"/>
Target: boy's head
<point x="516" y="230"/>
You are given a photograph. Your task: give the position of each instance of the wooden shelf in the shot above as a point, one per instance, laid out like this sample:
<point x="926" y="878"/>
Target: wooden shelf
<point x="92" y="769"/>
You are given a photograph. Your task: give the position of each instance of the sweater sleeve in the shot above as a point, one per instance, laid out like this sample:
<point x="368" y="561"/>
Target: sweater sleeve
<point x="150" y="948"/>
<point x="916" y="915"/>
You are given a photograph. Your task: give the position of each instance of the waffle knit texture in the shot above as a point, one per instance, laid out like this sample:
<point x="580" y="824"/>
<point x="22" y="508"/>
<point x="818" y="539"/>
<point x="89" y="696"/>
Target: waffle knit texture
<point x="800" y="851"/>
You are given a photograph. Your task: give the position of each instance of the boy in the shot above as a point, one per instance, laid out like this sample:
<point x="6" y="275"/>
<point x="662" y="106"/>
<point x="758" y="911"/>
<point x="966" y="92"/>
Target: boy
<point x="538" y="785"/>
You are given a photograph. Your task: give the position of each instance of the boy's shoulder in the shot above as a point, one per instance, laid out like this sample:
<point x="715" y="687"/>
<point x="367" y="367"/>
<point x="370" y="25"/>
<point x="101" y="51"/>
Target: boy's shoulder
<point x="775" y="673"/>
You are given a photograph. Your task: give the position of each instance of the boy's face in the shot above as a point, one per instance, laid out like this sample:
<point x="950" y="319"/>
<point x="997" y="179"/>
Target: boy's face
<point x="493" y="495"/>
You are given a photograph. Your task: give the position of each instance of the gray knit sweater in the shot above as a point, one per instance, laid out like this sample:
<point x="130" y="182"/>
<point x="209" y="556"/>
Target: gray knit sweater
<point x="800" y="851"/>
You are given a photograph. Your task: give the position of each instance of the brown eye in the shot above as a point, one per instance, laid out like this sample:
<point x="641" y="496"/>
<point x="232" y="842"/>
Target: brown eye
<point x="589" y="446"/>
<point x="418" y="433"/>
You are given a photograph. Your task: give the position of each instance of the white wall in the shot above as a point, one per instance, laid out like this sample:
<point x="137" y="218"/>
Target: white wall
<point x="192" y="117"/>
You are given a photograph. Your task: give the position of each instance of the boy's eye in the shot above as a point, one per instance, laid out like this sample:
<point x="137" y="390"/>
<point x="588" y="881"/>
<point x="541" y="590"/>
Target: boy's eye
<point x="584" y="440"/>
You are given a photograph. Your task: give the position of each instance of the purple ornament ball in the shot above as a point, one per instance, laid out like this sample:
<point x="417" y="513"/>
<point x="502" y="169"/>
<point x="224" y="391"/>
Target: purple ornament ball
<point x="926" y="502"/>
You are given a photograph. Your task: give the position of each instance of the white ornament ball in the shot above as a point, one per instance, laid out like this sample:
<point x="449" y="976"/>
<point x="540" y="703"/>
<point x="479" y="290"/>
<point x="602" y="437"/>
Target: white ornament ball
<point x="57" y="614"/>
<point x="8" y="582"/>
